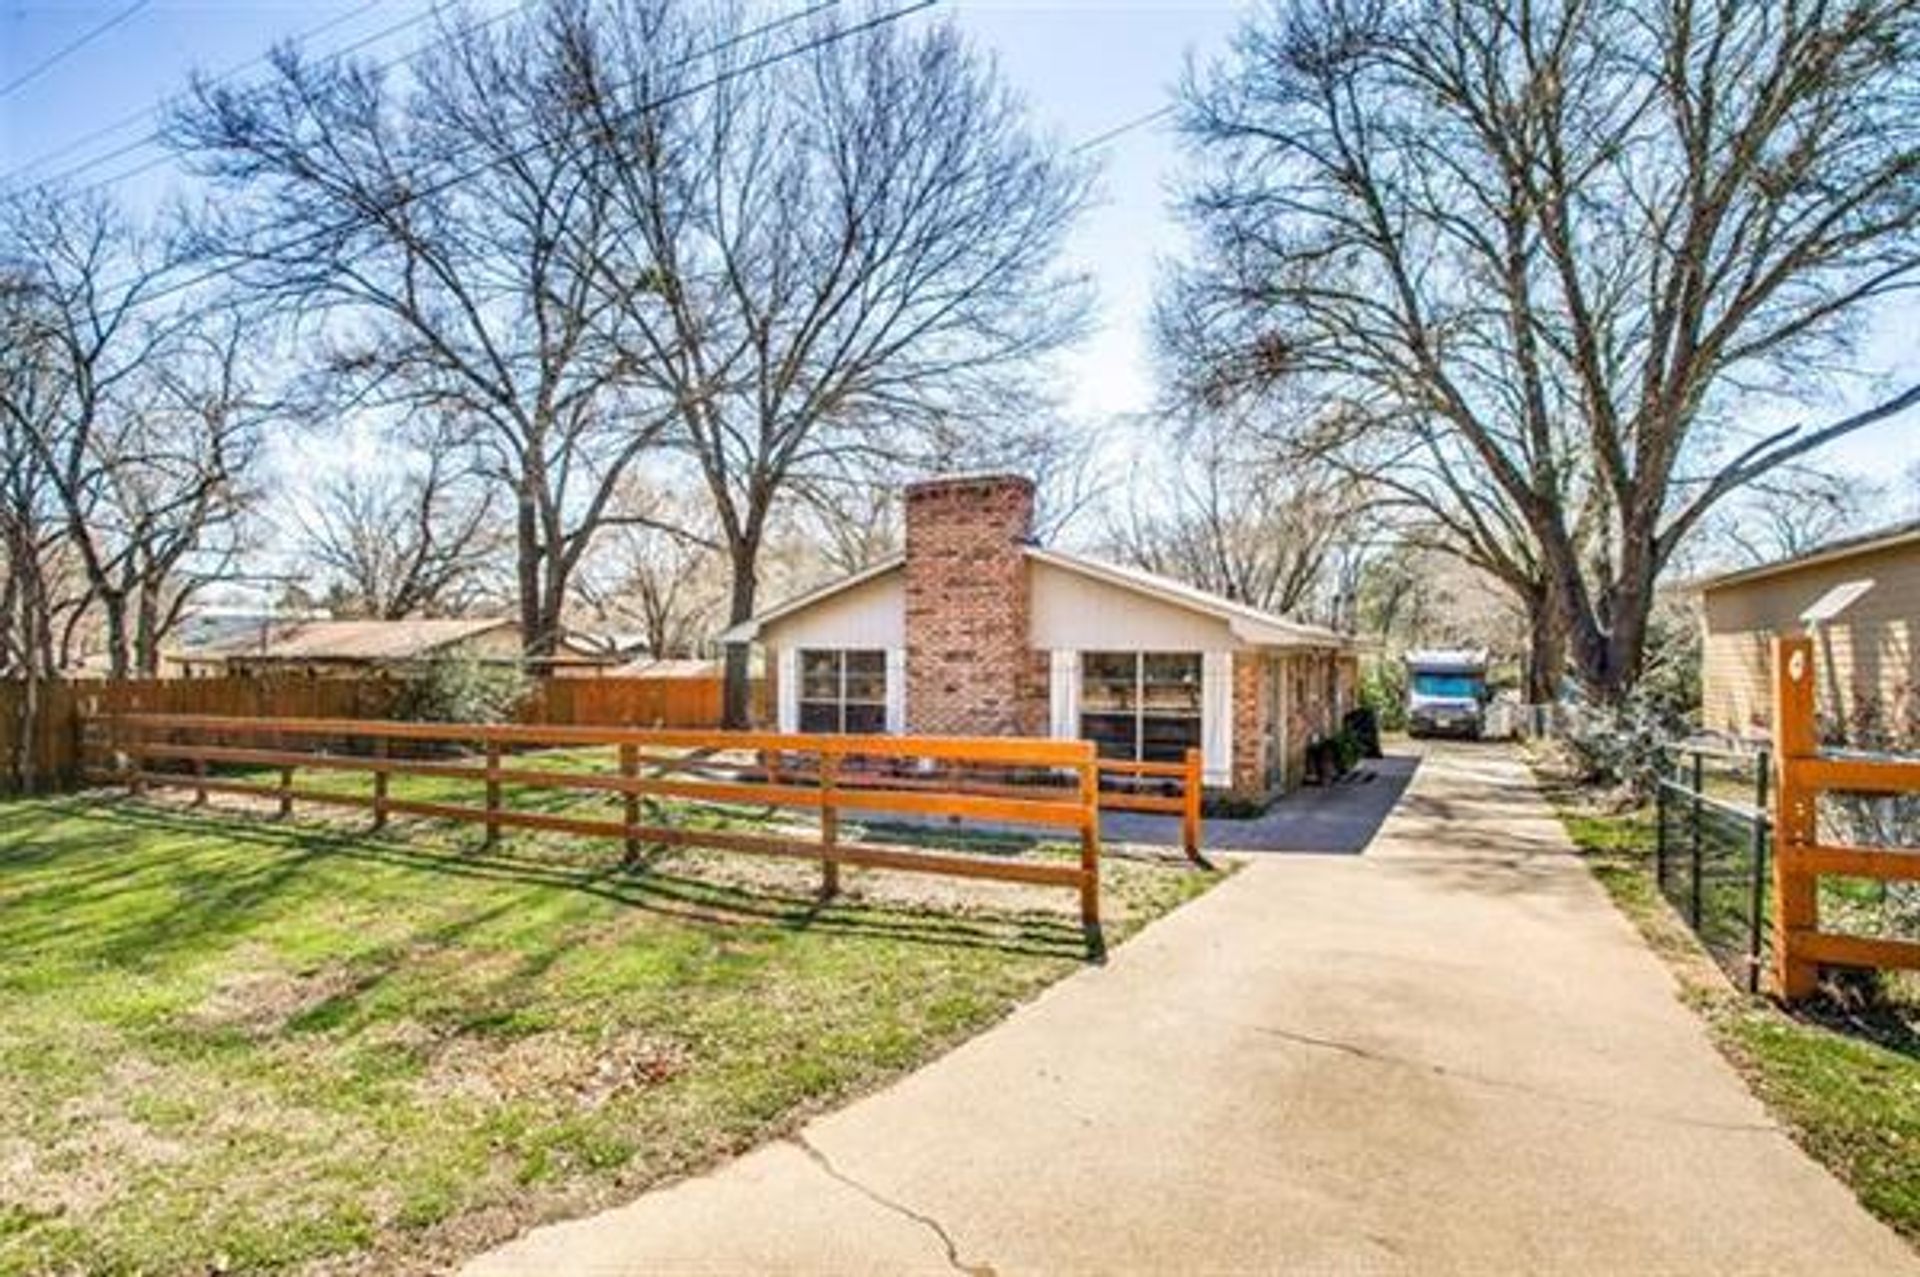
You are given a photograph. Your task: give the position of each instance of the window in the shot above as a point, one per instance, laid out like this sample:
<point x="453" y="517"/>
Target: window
<point x="1141" y="705"/>
<point x="843" y="691"/>
<point x="1463" y="687"/>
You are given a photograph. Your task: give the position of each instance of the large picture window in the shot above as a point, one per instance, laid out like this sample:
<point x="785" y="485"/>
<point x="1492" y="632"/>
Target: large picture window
<point x="843" y="691"/>
<point x="1143" y="706"/>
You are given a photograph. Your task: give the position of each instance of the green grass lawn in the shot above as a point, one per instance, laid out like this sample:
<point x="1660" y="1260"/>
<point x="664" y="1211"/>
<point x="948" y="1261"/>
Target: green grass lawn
<point x="230" y="1043"/>
<point x="1842" y="1075"/>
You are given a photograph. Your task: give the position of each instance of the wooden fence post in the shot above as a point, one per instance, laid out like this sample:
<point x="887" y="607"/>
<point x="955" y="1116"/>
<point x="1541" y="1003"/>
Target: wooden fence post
<point x="630" y="769"/>
<point x="1190" y="814"/>
<point x="380" y="783"/>
<point x="1796" y="905"/>
<point x="1090" y="841"/>
<point x="200" y="790"/>
<point x="829" y="826"/>
<point x="493" y="792"/>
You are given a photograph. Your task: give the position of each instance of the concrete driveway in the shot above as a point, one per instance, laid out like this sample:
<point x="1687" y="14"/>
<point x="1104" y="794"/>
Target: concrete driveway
<point x="1448" y="1055"/>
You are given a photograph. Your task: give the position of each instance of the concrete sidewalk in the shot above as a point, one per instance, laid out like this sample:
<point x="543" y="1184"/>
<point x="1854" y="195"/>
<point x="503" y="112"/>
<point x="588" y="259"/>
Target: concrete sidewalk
<point x="1447" y="1055"/>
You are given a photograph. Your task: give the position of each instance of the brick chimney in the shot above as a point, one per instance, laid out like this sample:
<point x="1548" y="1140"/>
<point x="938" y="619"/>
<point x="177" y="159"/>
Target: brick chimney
<point x="968" y="660"/>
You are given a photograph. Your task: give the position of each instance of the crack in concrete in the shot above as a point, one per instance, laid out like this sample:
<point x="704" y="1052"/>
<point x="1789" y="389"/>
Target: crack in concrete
<point x="926" y="1221"/>
<point x="1504" y="1084"/>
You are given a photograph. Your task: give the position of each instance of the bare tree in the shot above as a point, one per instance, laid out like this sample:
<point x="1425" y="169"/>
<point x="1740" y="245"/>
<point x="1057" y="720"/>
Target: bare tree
<point x="664" y="580"/>
<point x="419" y="539"/>
<point x="1230" y="521"/>
<point x="438" y="233"/>
<point x="1534" y="263"/>
<point x="842" y="257"/>
<point x="1788" y="513"/>
<point x="143" y="419"/>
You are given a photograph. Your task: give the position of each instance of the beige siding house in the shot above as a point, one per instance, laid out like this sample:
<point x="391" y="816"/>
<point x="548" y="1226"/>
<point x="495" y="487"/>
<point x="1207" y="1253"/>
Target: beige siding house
<point x="975" y="629"/>
<point x="1869" y="661"/>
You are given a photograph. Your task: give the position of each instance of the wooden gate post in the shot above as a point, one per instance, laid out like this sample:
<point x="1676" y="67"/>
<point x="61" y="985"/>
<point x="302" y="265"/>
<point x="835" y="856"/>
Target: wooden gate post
<point x="630" y="772"/>
<point x="380" y="782"/>
<point x="829" y="826"/>
<point x="1796" y="907"/>
<point x="1090" y="841"/>
<point x="493" y="792"/>
<point x="1190" y="810"/>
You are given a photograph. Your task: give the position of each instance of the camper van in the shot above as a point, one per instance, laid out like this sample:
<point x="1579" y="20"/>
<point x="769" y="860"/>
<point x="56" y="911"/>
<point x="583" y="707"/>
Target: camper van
<point x="1446" y="693"/>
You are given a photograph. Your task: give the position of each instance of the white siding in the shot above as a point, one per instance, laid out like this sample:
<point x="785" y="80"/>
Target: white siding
<point x="787" y="687"/>
<point x="872" y="614"/>
<point x="1063" y="694"/>
<point x="1216" y="718"/>
<point x="1077" y="613"/>
<point x="897" y="691"/>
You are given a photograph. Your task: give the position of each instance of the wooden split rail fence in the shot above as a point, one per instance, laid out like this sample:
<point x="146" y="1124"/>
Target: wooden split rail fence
<point x="1010" y="780"/>
<point x="1805" y="772"/>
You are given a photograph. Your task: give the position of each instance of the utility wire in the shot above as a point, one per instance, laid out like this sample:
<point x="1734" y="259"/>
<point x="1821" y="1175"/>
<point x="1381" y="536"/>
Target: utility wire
<point x="455" y="179"/>
<point x="1138" y="122"/>
<point x="68" y="50"/>
<point x="134" y="117"/>
<point x="147" y="166"/>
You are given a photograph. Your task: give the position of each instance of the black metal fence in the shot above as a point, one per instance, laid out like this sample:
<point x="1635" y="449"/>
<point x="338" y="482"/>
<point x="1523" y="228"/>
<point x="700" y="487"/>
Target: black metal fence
<point x="1711" y="843"/>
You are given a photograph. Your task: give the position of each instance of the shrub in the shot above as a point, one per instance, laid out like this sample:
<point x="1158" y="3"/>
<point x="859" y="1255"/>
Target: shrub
<point x="1621" y="745"/>
<point x="1383" y="689"/>
<point x="461" y="689"/>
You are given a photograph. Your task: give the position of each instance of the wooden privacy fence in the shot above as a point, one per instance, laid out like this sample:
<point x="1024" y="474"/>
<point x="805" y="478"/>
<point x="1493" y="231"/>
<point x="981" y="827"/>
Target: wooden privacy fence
<point x="1046" y="783"/>
<point x="53" y="748"/>
<point x="1800" y="857"/>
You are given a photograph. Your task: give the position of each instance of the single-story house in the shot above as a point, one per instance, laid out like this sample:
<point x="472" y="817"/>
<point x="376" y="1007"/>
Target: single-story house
<point x="323" y="647"/>
<point x="1869" y="662"/>
<point x="976" y="629"/>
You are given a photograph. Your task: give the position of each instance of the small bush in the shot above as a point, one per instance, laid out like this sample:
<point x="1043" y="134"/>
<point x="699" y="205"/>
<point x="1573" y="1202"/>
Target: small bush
<point x="1620" y="746"/>
<point x="461" y="689"/>
<point x="1383" y="689"/>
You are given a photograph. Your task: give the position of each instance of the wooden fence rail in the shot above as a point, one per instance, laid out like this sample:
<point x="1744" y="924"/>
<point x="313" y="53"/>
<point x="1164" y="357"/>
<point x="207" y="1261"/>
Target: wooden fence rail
<point x="1800" y="857"/>
<point x="1045" y="783"/>
<point x="52" y="745"/>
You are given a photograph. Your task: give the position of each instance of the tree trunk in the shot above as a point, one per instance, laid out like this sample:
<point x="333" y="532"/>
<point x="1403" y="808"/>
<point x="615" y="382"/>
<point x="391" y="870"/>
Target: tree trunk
<point x="1546" y="650"/>
<point x="738" y="711"/>
<point x="114" y="604"/>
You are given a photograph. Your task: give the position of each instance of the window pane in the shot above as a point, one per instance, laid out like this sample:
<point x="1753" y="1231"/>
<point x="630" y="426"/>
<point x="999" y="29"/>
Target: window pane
<point x="867" y="720"/>
<point x="819" y="675"/>
<point x="1167" y="739"/>
<point x="1172" y="682"/>
<point x="1107" y="681"/>
<point x="867" y="677"/>
<point x="819" y="716"/>
<point x="1112" y="734"/>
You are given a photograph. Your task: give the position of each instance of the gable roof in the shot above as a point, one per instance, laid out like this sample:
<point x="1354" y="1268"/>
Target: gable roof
<point x="1887" y="538"/>
<point x="1250" y="624"/>
<point x="369" y="641"/>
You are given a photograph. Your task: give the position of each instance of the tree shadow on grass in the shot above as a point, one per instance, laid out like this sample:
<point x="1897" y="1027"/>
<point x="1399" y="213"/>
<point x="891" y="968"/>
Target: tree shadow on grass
<point x="228" y="888"/>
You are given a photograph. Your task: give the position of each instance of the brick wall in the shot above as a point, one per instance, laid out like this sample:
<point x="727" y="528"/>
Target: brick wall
<point x="1250" y="723"/>
<point x="970" y="670"/>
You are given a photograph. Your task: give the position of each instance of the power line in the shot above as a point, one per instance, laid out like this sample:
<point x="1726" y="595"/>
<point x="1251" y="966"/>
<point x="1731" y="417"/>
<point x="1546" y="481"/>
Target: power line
<point x="455" y="179"/>
<point x="68" y="50"/>
<point x="147" y="166"/>
<point x="134" y="117"/>
<point x="1138" y="122"/>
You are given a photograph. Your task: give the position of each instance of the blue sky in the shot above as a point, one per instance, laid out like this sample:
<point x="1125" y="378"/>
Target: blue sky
<point x="1086" y="66"/>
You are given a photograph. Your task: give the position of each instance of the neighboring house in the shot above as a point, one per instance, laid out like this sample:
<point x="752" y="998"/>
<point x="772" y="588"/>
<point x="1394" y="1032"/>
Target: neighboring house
<point x="278" y="646"/>
<point x="976" y="630"/>
<point x="1868" y="656"/>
